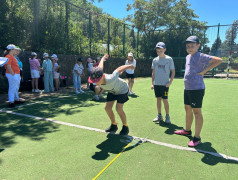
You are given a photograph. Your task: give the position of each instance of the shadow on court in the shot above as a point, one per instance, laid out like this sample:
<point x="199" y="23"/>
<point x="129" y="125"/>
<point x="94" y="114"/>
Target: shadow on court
<point x="113" y="144"/>
<point x="13" y="126"/>
<point x="211" y="159"/>
<point x="53" y="108"/>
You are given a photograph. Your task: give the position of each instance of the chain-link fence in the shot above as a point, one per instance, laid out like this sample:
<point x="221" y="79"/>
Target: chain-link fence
<point x="59" y="26"/>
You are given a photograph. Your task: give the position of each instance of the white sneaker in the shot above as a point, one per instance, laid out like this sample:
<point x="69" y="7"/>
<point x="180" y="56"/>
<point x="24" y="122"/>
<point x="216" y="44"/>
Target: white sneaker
<point x="132" y="92"/>
<point x="33" y="90"/>
<point x="96" y="97"/>
<point x="158" y="118"/>
<point x="81" y="91"/>
<point x="37" y="90"/>
<point x="77" y="92"/>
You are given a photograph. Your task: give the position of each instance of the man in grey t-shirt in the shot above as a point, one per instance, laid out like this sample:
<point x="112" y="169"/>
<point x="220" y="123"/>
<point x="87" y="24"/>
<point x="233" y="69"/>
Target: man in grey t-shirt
<point x="117" y="91"/>
<point x="161" y="67"/>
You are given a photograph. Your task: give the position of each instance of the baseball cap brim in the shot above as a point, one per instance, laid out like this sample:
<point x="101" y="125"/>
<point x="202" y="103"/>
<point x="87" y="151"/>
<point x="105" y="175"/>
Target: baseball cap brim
<point x="90" y="80"/>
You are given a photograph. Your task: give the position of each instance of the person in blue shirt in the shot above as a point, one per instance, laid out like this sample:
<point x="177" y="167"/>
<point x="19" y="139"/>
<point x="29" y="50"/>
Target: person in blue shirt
<point x="48" y="74"/>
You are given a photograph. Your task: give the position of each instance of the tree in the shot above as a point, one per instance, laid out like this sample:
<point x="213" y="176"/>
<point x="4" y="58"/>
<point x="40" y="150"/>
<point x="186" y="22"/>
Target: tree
<point x="165" y="20"/>
<point x="215" y="46"/>
<point x="132" y="38"/>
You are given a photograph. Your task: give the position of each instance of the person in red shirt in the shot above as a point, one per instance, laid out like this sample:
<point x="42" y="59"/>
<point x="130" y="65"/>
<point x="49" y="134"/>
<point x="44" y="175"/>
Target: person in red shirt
<point x="13" y="76"/>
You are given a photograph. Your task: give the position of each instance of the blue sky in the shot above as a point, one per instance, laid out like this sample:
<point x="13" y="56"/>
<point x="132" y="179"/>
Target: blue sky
<point x="211" y="11"/>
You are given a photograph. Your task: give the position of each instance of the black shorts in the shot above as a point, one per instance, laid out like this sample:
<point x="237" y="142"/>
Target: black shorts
<point x="194" y="98"/>
<point x="92" y="87"/>
<point x="130" y="76"/>
<point x="120" y="98"/>
<point x="161" y="91"/>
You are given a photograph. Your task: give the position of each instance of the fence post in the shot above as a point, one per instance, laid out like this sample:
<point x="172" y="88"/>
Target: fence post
<point x="90" y="34"/>
<point x="108" y="36"/>
<point x="148" y="50"/>
<point x="67" y="24"/>
<point x="218" y="32"/>
<point x="124" y="39"/>
<point x="137" y="42"/>
<point x="36" y="24"/>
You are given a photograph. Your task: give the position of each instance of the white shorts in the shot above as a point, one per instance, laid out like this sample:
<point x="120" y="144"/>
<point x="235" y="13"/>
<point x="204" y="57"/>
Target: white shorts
<point x="56" y="75"/>
<point x="35" y="74"/>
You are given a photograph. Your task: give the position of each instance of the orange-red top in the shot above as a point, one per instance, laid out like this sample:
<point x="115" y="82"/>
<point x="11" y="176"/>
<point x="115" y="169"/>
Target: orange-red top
<point x="14" y="64"/>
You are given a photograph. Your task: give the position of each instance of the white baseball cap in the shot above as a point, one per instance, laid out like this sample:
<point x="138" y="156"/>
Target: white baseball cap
<point x="54" y="56"/>
<point x="33" y="54"/>
<point x="11" y="46"/>
<point x="45" y="55"/>
<point x="130" y="54"/>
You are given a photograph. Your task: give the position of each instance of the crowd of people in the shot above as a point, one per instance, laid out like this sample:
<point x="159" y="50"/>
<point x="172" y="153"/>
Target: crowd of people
<point x="163" y="72"/>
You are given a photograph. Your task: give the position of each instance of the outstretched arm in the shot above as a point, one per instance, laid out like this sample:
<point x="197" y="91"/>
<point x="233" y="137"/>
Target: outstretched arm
<point x="121" y="69"/>
<point x="104" y="58"/>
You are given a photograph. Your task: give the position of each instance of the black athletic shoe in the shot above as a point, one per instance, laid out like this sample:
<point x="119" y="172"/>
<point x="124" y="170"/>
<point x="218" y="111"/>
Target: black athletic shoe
<point x="112" y="128"/>
<point x="19" y="102"/>
<point x="124" y="130"/>
<point x="11" y="105"/>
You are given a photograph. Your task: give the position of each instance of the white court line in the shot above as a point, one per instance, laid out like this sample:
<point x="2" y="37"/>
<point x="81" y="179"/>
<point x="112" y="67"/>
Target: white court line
<point x="149" y="140"/>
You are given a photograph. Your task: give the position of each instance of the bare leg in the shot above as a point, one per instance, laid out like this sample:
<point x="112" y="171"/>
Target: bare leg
<point x="166" y="105"/>
<point x="120" y="111"/>
<point x="189" y="117"/>
<point x="159" y="105"/>
<point x="108" y="108"/>
<point x="198" y="121"/>
<point x="33" y="83"/>
<point x="132" y="83"/>
<point x="36" y="83"/>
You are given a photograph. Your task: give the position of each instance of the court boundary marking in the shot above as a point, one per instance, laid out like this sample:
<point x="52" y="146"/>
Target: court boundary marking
<point x="220" y="155"/>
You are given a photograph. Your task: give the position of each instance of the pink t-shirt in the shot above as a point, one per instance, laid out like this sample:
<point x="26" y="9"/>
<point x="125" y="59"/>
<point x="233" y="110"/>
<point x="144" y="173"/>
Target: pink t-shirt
<point x="34" y="64"/>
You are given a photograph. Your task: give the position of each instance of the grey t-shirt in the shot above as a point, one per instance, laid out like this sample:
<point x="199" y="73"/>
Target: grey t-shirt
<point x="162" y="67"/>
<point x="114" y="84"/>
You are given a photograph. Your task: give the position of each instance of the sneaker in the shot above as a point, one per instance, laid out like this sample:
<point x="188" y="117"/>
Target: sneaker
<point x="33" y="90"/>
<point x="37" y="90"/>
<point x="112" y="128"/>
<point x="183" y="132"/>
<point x="101" y="97"/>
<point x="11" y="105"/>
<point x="96" y="97"/>
<point x="19" y="102"/>
<point x="130" y="93"/>
<point x="81" y="91"/>
<point x="124" y="131"/>
<point x="167" y="119"/>
<point x="77" y="92"/>
<point x="194" y="142"/>
<point x="158" y="118"/>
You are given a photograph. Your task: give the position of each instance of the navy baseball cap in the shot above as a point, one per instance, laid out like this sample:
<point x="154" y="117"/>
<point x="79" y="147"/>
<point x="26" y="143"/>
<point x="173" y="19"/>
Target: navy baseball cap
<point x="192" y="39"/>
<point x="160" y="45"/>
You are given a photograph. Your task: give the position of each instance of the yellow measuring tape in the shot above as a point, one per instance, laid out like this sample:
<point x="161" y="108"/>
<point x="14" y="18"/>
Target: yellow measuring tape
<point x="113" y="160"/>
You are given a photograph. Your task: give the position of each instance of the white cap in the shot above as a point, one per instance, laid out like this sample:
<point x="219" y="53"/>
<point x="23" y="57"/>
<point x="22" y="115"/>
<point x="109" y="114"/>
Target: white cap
<point x="54" y="56"/>
<point x="33" y="54"/>
<point x="45" y="55"/>
<point x="130" y="54"/>
<point x="11" y="46"/>
<point x="18" y="48"/>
